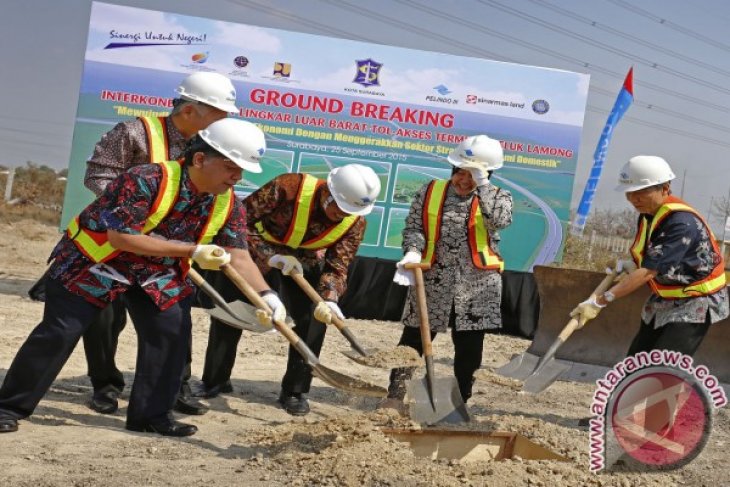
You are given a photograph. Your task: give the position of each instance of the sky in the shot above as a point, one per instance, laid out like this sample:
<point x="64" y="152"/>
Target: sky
<point x="679" y="51"/>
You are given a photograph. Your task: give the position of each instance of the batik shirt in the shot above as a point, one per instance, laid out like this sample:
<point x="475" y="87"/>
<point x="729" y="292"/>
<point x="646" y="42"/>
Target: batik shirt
<point x="273" y="204"/>
<point x="681" y="252"/>
<point x="124" y="207"/>
<point x="453" y="280"/>
<point x="123" y="147"/>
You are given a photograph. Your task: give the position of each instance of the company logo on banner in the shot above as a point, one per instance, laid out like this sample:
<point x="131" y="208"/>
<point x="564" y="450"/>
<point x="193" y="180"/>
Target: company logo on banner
<point x="368" y="73"/>
<point x="540" y="107"/>
<point x="282" y="70"/>
<point x="241" y="61"/>
<point x="442" y="90"/>
<point x="200" y="57"/>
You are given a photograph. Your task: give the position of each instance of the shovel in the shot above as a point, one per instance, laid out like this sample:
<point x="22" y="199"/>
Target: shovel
<point x="367" y="357"/>
<point x="522" y="366"/>
<point x="331" y="377"/>
<point x="548" y="369"/>
<point x="432" y="400"/>
<point x="236" y="314"/>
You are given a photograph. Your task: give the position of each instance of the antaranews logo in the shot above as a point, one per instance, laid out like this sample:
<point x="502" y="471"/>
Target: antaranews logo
<point x="653" y="412"/>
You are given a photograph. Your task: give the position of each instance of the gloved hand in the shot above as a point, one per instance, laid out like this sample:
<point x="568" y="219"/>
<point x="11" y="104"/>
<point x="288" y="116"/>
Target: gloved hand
<point x="587" y="310"/>
<point x="325" y="309"/>
<point x="286" y="263"/>
<point x="479" y="175"/>
<point x="205" y="256"/>
<point x="403" y="276"/>
<point x="277" y="307"/>
<point x="625" y="265"/>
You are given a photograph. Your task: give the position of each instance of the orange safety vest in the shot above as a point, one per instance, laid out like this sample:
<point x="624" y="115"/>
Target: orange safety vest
<point x="482" y="254"/>
<point x="300" y="221"/>
<point x="157" y="144"/>
<point x="709" y="285"/>
<point x="96" y="246"/>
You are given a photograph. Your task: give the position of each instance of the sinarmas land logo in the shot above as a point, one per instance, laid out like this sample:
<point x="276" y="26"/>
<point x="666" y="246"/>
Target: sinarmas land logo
<point x="653" y="411"/>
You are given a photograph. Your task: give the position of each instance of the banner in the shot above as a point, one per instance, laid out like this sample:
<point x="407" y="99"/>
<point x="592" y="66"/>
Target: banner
<point x="325" y="102"/>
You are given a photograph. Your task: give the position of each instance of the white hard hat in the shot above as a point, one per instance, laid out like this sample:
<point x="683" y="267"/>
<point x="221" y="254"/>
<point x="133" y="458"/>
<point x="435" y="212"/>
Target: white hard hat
<point x="354" y="188"/>
<point x="477" y="151"/>
<point x="212" y="89"/>
<point x="643" y="171"/>
<point x="240" y="141"/>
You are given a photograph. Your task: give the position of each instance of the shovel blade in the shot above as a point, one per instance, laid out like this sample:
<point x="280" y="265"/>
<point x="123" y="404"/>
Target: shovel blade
<point x="520" y="367"/>
<point x="543" y="378"/>
<point x="447" y="406"/>
<point x="239" y="315"/>
<point x="347" y="383"/>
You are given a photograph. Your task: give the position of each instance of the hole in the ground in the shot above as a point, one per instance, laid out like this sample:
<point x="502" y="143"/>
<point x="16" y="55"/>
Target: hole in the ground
<point x="471" y="446"/>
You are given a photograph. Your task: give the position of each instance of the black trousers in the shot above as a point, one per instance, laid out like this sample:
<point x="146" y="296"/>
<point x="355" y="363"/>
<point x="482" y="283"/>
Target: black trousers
<point x="220" y="355"/>
<point x="161" y="352"/>
<point x="685" y="338"/>
<point x="468" y="348"/>
<point x="100" y="347"/>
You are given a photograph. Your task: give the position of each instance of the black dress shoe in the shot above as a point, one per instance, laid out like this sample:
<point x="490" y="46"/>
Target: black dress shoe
<point x="8" y="425"/>
<point x="189" y="405"/>
<point x="104" y="400"/>
<point x="215" y="391"/>
<point x="166" y="427"/>
<point x="295" y="404"/>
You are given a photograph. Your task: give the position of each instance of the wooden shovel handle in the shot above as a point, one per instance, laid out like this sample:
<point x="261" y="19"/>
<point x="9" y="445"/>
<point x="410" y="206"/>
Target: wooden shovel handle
<point x="422" y="307"/>
<point x="259" y="302"/>
<point x="314" y="296"/>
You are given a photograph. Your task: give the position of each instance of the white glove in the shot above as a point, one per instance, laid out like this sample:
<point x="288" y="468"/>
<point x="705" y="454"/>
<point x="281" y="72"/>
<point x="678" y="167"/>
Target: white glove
<point x="403" y="276"/>
<point x="286" y="263"/>
<point x="276" y="306"/>
<point x="205" y="256"/>
<point x="325" y="309"/>
<point x="480" y="176"/>
<point x="625" y="265"/>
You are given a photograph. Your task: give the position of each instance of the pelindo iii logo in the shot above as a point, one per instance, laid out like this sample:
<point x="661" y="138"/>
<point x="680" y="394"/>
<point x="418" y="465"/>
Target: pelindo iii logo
<point x="653" y="412"/>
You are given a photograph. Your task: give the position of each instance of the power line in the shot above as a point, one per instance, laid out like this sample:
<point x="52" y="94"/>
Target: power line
<point x="670" y="24"/>
<point x="558" y="55"/>
<point x="427" y="33"/>
<point x="604" y="46"/>
<point x="630" y="37"/>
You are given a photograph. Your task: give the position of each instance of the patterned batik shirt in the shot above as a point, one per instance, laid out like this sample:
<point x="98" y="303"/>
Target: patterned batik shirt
<point x="124" y="207"/>
<point x="476" y="294"/>
<point x="273" y="204"/>
<point x="681" y="252"/>
<point x="123" y="147"/>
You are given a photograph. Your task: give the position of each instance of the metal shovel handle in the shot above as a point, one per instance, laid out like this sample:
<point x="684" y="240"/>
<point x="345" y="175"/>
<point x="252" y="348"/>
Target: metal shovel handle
<point x="339" y="324"/>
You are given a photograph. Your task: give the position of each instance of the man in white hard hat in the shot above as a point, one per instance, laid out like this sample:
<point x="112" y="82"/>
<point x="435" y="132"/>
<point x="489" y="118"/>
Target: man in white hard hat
<point x="299" y="223"/>
<point x="454" y="226"/>
<point x="675" y="253"/>
<point x="148" y="224"/>
<point x="203" y="99"/>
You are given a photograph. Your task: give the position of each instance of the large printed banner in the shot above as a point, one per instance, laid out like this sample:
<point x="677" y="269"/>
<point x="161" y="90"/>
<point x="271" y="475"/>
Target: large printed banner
<point x="325" y="102"/>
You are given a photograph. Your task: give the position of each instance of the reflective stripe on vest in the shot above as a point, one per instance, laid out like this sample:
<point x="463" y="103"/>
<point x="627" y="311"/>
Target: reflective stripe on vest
<point x="300" y="221"/>
<point x="709" y="285"/>
<point x="482" y="255"/>
<point x="156" y="129"/>
<point x="96" y="246"/>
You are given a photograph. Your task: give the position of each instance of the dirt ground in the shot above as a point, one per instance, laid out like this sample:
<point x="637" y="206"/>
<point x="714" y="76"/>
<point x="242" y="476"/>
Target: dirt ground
<point x="245" y="439"/>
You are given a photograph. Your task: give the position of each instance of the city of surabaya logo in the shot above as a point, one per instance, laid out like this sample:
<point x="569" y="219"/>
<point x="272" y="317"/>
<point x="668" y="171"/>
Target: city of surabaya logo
<point x="368" y="73"/>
